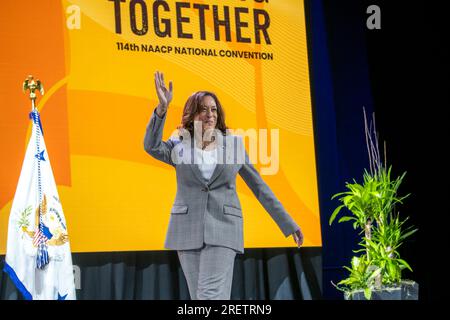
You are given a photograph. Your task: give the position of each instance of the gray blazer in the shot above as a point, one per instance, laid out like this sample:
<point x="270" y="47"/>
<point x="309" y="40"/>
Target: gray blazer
<point x="209" y="212"/>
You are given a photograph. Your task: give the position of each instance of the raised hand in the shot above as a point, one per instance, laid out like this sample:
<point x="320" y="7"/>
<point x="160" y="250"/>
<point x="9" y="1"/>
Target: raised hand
<point x="164" y="96"/>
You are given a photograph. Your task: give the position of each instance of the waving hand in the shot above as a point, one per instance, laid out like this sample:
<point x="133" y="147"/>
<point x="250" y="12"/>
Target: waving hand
<point x="164" y="95"/>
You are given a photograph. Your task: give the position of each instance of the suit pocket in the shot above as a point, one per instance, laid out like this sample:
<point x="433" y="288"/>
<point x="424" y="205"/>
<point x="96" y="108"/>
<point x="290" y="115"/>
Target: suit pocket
<point x="179" y="210"/>
<point x="232" y="211"/>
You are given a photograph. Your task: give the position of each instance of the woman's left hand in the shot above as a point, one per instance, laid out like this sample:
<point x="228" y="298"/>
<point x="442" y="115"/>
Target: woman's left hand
<point x="298" y="237"/>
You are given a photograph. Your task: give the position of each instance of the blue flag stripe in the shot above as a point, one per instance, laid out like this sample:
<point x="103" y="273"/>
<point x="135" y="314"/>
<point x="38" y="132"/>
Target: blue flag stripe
<point x="19" y="285"/>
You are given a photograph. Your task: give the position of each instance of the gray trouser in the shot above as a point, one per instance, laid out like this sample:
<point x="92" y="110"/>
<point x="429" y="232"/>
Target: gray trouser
<point x="208" y="272"/>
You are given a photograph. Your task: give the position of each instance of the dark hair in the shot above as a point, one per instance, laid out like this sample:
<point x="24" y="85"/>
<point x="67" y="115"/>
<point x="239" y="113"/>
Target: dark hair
<point x="192" y="108"/>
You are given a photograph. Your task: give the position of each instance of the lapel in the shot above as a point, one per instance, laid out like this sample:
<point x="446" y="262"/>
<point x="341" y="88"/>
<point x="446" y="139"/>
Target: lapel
<point x="197" y="173"/>
<point x="217" y="170"/>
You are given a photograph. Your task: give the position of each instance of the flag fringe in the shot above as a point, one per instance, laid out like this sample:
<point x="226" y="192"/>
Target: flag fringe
<point x="42" y="256"/>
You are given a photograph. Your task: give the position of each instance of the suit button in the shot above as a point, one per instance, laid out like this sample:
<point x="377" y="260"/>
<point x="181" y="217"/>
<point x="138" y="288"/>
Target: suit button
<point x="206" y="189"/>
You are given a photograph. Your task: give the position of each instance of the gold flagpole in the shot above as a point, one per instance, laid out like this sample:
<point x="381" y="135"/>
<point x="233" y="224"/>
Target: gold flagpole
<point x="30" y="84"/>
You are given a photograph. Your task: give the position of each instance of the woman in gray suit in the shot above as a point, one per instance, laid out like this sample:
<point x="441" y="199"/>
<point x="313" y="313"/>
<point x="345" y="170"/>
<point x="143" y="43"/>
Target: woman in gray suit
<point x="206" y="218"/>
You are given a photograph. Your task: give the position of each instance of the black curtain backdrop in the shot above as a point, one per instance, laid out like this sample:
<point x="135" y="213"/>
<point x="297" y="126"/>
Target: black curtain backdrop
<point x="259" y="274"/>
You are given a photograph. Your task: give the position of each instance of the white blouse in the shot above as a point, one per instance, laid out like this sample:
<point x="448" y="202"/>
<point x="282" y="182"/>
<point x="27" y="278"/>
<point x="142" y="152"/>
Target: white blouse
<point x="206" y="161"/>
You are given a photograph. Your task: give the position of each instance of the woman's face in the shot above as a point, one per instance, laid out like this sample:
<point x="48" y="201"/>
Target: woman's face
<point x="207" y="113"/>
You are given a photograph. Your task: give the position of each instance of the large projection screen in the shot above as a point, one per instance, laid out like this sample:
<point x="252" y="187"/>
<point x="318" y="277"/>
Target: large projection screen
<point x="96" y="59"/>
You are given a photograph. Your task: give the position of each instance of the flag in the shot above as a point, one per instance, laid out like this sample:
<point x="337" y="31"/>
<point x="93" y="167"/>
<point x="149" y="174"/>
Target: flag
<point x="38" y="257"/>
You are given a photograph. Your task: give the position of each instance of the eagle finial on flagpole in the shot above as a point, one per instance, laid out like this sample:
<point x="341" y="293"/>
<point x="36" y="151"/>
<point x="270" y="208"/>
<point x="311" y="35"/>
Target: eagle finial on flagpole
<point x="32" y="85"/>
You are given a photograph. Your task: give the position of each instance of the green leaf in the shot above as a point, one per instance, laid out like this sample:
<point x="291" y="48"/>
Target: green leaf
<point x="348" y="199"/>
<point x="376" y="194"/>
<point x="403" y="262"/>
<point x="346" y="218"/>
<point x="337" y="195"/>
<point x="406" y="235"/>
<point x="392" y="270"/>
<point x="335" y="212"/>
<point x="345" y="282"/>
<point x="368" y="293"/>
<point x="348" y="269"/>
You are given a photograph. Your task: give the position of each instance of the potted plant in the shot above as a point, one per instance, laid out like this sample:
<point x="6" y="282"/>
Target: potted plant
<point x="376" y="273"/>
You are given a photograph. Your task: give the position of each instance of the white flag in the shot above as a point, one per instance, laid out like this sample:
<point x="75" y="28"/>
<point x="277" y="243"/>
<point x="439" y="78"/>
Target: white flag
<point x="38" y="257"/>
